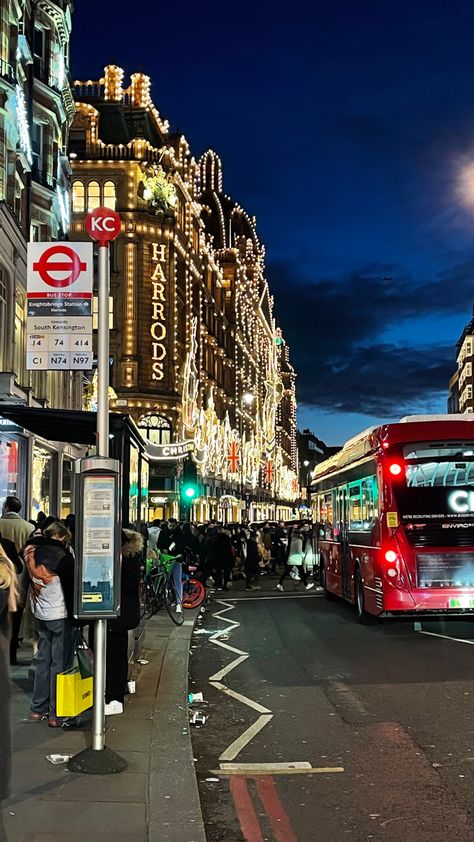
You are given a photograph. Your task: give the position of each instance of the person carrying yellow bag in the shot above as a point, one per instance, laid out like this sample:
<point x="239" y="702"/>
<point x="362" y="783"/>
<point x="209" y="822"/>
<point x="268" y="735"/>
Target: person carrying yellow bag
<point x="50" y="565"/>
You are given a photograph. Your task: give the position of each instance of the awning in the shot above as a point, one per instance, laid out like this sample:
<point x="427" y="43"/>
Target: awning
<point x="65" y="425"/>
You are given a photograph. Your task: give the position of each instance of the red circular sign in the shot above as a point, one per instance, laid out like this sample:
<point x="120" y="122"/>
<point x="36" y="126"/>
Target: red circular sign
<point x="72" y="266"/>
<point x="103" y="224"/>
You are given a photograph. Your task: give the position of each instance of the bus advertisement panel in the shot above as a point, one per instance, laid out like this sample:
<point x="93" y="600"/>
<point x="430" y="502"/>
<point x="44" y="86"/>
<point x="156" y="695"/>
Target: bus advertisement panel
<point x="395" y="509"/>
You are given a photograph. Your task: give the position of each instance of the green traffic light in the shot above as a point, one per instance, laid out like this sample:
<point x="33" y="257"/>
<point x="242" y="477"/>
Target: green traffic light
<point x="190" y="492"/>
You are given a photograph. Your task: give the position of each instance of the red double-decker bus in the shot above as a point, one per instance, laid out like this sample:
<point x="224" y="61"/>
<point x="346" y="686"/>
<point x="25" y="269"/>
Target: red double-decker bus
<point x="395" y="513"/>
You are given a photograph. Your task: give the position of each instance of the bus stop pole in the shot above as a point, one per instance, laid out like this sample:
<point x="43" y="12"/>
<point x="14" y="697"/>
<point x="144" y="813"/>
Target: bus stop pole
<point x="103" y="351"/>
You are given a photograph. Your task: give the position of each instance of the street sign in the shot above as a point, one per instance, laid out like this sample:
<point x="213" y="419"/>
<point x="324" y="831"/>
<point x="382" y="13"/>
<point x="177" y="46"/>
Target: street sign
<point x="59" y="306"/>
<point x="103" y="225"/>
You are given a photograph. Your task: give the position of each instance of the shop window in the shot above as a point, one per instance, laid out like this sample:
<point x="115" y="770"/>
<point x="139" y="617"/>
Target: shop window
<point x="78" y="197"/>
<point x="4" y="296"/>
<point x="41" y="481"/>
<point x="9" y="461"/>
<point x="19" y="354"/>
<point x="109" y="195"/>
<point x="133" y="487"/>
<point x="93" y="195"/>
<point x="157" y="428"/>
<point x="67" y="487"/>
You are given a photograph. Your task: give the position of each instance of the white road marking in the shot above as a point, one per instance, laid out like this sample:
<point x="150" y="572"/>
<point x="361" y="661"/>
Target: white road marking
<point x="265" y="767"/>
<point x="248" y="769"/>
<point x="236" y="747"/>
<point x="280" y="596"/>
<point x="226" y="646"/>
<point x="240" y="698"/>
<point x="447" y="637"/>
<point x="220" y="675"/>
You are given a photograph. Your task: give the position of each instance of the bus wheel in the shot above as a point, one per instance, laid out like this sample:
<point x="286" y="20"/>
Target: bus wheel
<point x="362" y="615"/>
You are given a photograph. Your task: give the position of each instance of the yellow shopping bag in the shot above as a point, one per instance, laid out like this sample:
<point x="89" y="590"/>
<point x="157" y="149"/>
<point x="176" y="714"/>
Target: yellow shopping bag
<point x="73" y="693"/>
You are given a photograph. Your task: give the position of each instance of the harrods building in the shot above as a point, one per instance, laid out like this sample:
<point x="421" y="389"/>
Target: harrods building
<point x="197" y="359"/>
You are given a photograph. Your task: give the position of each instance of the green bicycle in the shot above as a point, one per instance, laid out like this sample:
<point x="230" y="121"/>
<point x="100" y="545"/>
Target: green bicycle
<point x="160" y="589"/>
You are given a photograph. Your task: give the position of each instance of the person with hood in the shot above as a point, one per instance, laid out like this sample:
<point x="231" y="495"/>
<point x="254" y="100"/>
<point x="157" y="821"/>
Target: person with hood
<point x="116" y="677"/>
<point x="50" y="565"/>
<point x="8" y="593"/>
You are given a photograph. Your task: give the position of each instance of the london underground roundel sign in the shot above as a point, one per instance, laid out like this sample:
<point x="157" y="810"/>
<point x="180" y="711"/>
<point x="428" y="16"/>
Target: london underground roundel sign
<point x="59" y="259"/>
<point x="103" y="225"/>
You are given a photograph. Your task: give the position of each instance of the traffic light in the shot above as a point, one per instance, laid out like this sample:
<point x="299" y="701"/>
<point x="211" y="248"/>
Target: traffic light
<point x="189" y="482"/>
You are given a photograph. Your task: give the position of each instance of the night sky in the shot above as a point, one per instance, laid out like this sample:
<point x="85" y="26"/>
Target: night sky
<point x="347" y="128"/>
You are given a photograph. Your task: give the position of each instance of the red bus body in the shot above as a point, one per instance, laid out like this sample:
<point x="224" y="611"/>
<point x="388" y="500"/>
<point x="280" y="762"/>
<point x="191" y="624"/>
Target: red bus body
<point x="396" y="518"/>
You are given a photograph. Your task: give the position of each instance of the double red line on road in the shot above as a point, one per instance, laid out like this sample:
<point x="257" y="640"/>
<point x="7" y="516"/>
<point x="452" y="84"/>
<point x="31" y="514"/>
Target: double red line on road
<point x="279" y="821"/>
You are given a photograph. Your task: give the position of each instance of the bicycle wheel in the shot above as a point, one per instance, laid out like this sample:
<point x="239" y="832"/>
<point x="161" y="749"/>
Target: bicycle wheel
<point x="173" y="603"/>
<point x="194" y="592"/>
<point x="148" y="601"/>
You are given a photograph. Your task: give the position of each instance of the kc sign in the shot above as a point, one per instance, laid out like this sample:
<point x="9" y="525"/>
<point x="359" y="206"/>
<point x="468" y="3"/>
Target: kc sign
<point x="59" y="297"/>
<point x="103" y="225"/>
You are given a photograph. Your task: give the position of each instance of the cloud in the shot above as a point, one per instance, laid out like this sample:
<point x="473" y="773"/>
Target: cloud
<point x="335" y="329"/>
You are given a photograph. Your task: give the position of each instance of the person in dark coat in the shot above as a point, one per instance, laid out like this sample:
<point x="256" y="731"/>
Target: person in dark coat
<point x="11" y="552"/>
<point x="8" y="593"/>
<point x="223" y="559"/>
<point x="117" y="630"/>
<point x="252" y="560"/>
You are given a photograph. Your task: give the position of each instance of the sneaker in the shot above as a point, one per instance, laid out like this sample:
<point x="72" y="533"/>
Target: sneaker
<point x="179" y="608"/>
<point x="279" y="587"/>
<point x="36" y="717"/>
<point x="309" y="586"/>
<point x="113" y="707"/>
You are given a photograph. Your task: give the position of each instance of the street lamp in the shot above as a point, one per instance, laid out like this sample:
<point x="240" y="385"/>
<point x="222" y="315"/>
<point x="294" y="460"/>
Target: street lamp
<point x="247" y="401"/>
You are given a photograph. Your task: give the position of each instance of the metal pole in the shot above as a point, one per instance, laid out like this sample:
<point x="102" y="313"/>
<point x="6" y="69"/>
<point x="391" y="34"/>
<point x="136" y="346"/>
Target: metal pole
<point x="100" y="632"/>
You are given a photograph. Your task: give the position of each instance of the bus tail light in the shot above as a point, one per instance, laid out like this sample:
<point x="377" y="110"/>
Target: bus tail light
<point x="395" y="469"/>
<point x="391" y="556"/>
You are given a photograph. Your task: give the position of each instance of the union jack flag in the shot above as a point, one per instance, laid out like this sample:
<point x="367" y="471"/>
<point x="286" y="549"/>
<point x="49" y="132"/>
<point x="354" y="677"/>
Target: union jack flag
<point x="233" y="457"/>
<point x="269" y="471"/>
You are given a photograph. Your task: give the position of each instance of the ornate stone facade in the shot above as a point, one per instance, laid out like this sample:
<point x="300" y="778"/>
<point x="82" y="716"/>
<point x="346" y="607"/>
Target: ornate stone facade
<point x="197" y="356"/>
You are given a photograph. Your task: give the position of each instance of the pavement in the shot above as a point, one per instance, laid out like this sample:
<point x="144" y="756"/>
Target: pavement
<point x="320" y="729"/>
<point x="153" y="800"/>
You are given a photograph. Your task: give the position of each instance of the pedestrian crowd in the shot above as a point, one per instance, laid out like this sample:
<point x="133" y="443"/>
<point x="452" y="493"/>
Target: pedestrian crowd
<point x="37" y="569"/>
<point x="227" y="552"/>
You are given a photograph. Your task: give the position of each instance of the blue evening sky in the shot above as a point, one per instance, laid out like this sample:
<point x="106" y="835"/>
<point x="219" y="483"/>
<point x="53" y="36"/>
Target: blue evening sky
<point x="347" y="128"/>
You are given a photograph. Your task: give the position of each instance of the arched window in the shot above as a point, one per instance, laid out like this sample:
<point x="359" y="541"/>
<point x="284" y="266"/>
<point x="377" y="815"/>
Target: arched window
<point x="93" y="195"/>
<point x="157" y="428"/>
<point x="109" y="195"/>
<point x="78" y="197"/>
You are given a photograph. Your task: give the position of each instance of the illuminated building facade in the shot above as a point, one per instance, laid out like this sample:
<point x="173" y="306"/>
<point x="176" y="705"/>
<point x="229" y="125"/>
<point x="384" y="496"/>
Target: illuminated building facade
<point x="461" y="384"/>
<point x="36" y="111"/>
<point x="197" y="359"/>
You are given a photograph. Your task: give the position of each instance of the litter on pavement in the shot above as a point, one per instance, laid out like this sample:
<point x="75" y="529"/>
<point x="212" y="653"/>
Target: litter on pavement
<point x="197" y="719"/>
<point x="195" y="697"/>
<point x="142" y="661"/>
<point x="58" y="759"/>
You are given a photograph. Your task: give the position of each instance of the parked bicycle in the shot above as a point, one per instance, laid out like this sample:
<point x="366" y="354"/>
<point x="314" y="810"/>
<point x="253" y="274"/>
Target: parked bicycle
<point x="160" y="589"/>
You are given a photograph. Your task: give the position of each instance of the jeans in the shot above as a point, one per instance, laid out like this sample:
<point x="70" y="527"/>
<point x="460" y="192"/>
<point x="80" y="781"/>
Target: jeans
<point x="55" y="654"/>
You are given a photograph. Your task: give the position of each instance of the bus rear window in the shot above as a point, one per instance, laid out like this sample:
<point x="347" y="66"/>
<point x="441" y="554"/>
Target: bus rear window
<point x="430" y="465"/>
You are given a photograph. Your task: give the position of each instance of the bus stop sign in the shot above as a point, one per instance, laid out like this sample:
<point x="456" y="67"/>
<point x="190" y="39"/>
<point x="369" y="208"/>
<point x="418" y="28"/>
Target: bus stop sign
<point x="103" y="225"/>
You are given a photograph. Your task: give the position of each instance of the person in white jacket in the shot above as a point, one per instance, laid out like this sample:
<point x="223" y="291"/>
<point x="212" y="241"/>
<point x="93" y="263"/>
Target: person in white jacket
<point x="295" y="555"/>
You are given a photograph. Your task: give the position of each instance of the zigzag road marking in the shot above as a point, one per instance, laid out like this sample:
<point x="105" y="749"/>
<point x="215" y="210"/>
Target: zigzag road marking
<point x="216" y="681"/>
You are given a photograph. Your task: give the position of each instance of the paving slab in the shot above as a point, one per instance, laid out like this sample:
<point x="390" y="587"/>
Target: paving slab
<point x="50" y="804"/>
